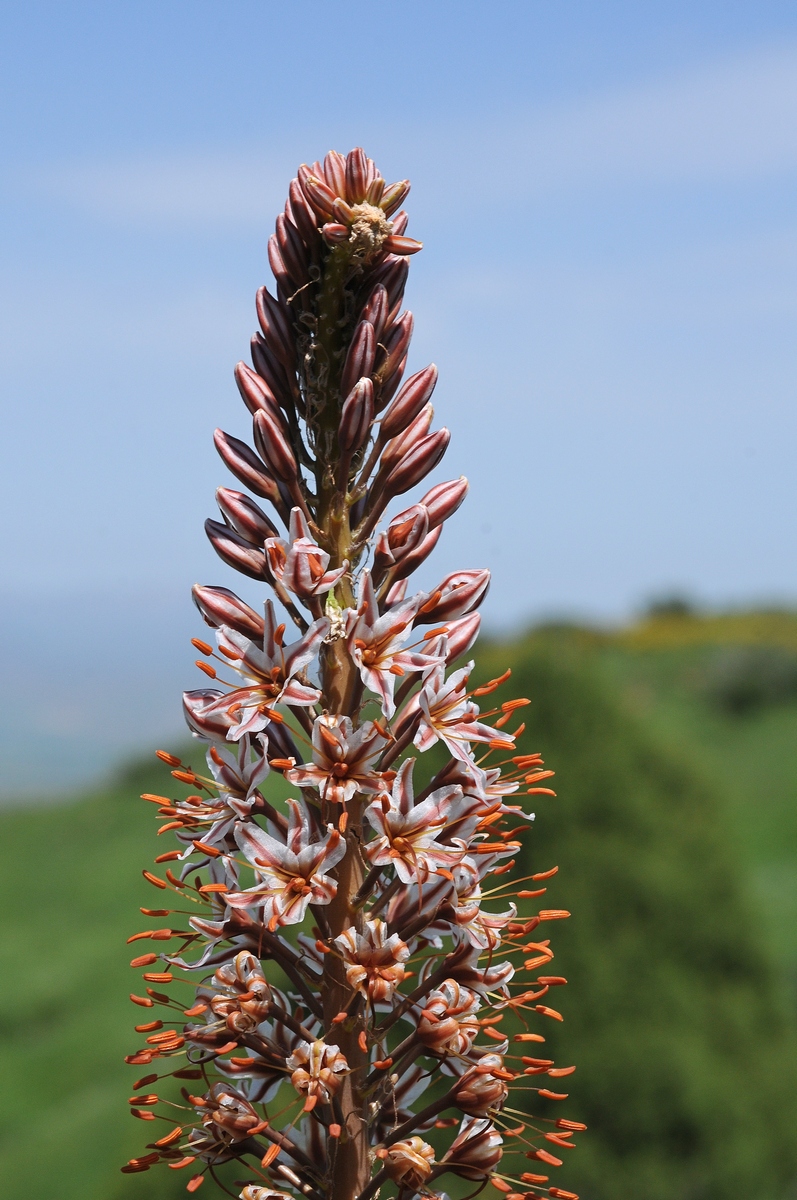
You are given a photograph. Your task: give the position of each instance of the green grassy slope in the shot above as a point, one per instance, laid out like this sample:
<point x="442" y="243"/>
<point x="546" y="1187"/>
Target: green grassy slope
<point x="685" y="1049"/>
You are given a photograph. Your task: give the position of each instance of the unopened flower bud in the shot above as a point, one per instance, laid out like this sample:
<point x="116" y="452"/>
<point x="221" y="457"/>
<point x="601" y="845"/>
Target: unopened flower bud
<point x="245" y="517"/>
<point x="412" y="561"/>
<point x="403" y="535"/>
<point x="396" y="342"/>
<point x="457" y="595"/>
<point x="276" y="326"/>
<point x="334" y="171"/>
<point x="394" y="196"/>
<point x="255" y="392"/>
<point x="375" y="189"/>
<point x="413" y="397"/>
<point x="343" y="212"/>
<point x="316" y="192"/>
<point x="360" y="358"/>
<point x="356" y="175"/>
<point x="220" y="606"/>
<point x="293" y="252"/>
<point x="278" y="269"/>
<point x="236" y="551"/>
<point x="273" y="447"/>
<point x="246" y="466"/>
<point x="398" y="446"/>
<point x="461" y="635"/>
<point x="376" y="310"/>
<point x="335" y="233"/>
<point x="271" y="369"/>
<point x="303" y="215"/>
<point x="443" y="500"/>
<point x="356" y="416"/>
<point x="417" y="464"/>
<point x="402" y="245"/>
<point x="400" y="223"/>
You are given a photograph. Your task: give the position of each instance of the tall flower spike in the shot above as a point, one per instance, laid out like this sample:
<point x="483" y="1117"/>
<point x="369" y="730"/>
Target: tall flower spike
<point x="352" y="926"/>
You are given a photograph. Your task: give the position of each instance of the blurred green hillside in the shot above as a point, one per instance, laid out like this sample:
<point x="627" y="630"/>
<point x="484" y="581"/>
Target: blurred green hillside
<point x="676" y="831"/>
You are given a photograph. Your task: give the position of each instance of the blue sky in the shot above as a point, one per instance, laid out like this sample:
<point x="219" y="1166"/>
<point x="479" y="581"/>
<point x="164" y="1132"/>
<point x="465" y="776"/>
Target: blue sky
<point x="606" y="192"/>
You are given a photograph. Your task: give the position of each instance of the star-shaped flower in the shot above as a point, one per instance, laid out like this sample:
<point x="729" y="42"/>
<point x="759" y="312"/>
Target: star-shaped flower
<point x="343" y="759"/>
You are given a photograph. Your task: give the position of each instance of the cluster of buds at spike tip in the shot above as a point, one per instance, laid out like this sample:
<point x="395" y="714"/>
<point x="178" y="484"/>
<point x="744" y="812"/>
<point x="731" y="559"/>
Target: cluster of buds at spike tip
<point x="366" y="991"/>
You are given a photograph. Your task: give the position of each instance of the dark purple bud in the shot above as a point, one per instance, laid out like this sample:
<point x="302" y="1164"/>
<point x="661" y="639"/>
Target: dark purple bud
<point x="419" y="555"/>
<point x="396" y="342"/>
<point x="391" y="385"/>
<point x="277" y="329"/>
<point x="398" y="446"/>
<point x="268" y="366"/>
<point x="457" y="595"/>
<point x="236" y="551"/>
<point x="415" y="394"/>
<point x="375" y="310"/>
<point x="356" y="175"/>
<point x="246" y="466"/>
<point x="393" y="274"/>
<point x="244" y="516"/>
<point x="292" y="249"/>
<point x="335" y="233"/>
<point x="394" y="196"/>
<point x="255" y="392"/>
<point x="335" y="172"/>
<point x="444" y="499"/>
<point x="403" y="535"/>
<point x="316" y="192"/>
<point x="278" y="268"/>
<point x="462" y="634"/>
<point x="375" y="190"/>
<point x="303" y="216"/>
<point x="400" y="223"/>
<point x="356" y="416"/>
<point x="274" y="448"/>
<point x="360" y="358"/>
<point x="220" y="606"/>
<point x="417" y="463"/>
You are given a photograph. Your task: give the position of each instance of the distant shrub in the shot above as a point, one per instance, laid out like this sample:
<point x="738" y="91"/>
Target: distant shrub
<point x="744" y="679"/>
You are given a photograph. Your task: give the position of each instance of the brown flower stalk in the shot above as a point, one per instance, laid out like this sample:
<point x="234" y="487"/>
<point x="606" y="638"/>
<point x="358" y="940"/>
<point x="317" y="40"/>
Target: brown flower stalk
<point x="354" y="992"/>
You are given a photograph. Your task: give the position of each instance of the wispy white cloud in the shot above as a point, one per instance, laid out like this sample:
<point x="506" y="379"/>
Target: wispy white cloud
<point x="728" y="121"/>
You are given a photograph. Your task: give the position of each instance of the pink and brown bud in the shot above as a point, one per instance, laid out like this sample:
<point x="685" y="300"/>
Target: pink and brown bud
<point x="236" y="551"/>
<point x="413" y="397"/>
<point x="219" y="606"/>
<point x="396" y="342"/>
<point x="356" y="175"/>
<point x="317" y="1070"/>
<point x="246" y="466"/>
<point x="303" y="216"/>
<point x="412" y="561"/>
<point x="276" y="326"/>
<point x="461" y="635"/>
<point x="409" y="1163"/>
<point x="457" y="595"/>
<point x="360" y="358"/>
<point x="356" y="416"/>
<point x="255" y="392"/>
<point x="376" y="310"/>
<point x="320" y="198"/>
<point x="274" y="447"/>
<point x="400" y="445"/>
<point x="292" y="249"/>
<point x="418" y="462"/>
<point x="394" y="196"/>
<point x="443" y="500"/>
<point x="403" y="535"/>
<point x="244" y="516"/>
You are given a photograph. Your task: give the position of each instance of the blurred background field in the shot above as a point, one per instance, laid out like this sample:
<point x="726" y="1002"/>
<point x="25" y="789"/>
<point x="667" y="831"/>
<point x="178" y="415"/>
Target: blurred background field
<point x="675" y="828"/>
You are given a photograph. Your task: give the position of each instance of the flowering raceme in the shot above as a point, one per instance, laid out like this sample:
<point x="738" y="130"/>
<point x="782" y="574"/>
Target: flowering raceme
<point x="355" y="954"/>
